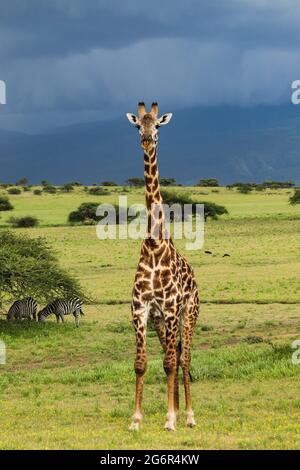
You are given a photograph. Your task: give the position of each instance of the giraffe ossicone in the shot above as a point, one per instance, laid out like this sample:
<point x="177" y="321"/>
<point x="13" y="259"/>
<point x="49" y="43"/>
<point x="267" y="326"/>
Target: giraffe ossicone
<point x="165" y="289"/>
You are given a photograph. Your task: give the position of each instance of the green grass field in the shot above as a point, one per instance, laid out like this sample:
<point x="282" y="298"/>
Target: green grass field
<point x="66" y="388"/>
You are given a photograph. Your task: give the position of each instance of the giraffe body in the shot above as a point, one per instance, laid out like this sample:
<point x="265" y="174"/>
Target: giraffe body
<point x="165" y="289"/>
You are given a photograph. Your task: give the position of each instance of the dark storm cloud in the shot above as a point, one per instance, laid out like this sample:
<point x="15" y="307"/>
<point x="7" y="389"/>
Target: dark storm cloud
<point x="72" y="60"/>
<point x="57" y="27"/>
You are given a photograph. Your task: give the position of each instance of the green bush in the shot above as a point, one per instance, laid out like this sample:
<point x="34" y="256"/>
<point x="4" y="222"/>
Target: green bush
<point x="245" y="188"/>
<point x="295" y="198"/>
<point x="37" y="192"/>
<point x="67" y="188"/>
<point x="108" y="183"/>
<point x="14" y="191"/>
<point x="86" y="214"/>
<point x="211" y="209"/>
<point x="50" y="189"/>
<point x="28" y="267"/>
<point x="176" y="197"/>
<point x="5" y="204"/>
<point x="24" y="222"/>
<point x="98" y="191"/>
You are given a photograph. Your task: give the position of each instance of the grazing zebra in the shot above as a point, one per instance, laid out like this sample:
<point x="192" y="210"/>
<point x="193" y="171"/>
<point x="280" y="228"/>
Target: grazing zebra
<point x="25" y="308"/>
<point x="62" y="307"/>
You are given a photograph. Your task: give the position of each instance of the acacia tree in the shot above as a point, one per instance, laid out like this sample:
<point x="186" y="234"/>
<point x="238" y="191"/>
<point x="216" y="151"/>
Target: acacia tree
<point x="135" y="181"/>
<point x="28" y="267"/>
<point x="22" y="181"/>
<point x="210" y="182"/>
<point x="167" y="181"/>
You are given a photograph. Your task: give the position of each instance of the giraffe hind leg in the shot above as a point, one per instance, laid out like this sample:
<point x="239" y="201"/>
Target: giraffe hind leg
<point x="188" y="327"/>
<point x="159" y="326"/>
<point x="176" y="382"/>
<point x="170" y="366"/>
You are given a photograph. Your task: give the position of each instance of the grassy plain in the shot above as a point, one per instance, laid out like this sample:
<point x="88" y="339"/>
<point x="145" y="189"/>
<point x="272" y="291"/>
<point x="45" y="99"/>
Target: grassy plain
<point x="74" y="388"/>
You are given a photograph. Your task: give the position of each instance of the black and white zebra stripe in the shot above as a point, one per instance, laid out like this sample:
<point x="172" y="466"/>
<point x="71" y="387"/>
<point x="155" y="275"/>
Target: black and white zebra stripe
<point x="62" y="307"/>
<point x="25" y="308"/>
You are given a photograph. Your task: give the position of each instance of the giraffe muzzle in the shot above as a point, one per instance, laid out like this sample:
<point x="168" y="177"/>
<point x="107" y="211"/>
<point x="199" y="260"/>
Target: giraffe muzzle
<point x="146" y="143"/>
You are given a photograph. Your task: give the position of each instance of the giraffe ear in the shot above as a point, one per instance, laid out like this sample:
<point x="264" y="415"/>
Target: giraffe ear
<point x="164" y="119"/>
<point x="132" y="118"/>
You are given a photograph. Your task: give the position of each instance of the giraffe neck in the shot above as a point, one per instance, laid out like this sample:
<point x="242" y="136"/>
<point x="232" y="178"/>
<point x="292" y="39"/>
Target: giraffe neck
<point x="155" y="212"/>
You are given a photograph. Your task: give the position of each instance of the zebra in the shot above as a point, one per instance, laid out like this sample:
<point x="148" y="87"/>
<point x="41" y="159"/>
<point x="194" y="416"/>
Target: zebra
<point x="62" y="307"/>
<point x="25" y="308"/>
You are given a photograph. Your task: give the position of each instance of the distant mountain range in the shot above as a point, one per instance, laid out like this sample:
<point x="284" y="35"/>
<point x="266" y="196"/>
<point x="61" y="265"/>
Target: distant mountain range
<point x="229" y="143"/>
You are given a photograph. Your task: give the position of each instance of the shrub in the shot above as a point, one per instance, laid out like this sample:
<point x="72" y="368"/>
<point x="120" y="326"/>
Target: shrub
<point x="245" y="188"/>
<point x="210" y="208"/>
<point x="26" y="189"/>
<point x="37" y="192"/>
<point x="98" y="191"/>
<point x="28" y="267"/>
<point x="108" y="183"/>
<point x="26" y="221"/>
<point x="50" y="189"/>
<point x="176" y="197"/>
<point x="295" y="198"/>
<point x="86" y="214"/>
<point x="213" y="210"/>
<point x="86" y="211"/>
<point x="5" y="204"/>
<point x="67" y="188"/>
<point x="14" y="191"/>
<point x="278" y="184"/>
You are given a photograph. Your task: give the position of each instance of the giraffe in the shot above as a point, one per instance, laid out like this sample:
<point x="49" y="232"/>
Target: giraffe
<point x="165" y="289"/>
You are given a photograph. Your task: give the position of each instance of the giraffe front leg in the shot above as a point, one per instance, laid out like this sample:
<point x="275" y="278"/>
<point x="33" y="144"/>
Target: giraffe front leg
<point x="140" y="364"/>
<point x="170" y="369"/>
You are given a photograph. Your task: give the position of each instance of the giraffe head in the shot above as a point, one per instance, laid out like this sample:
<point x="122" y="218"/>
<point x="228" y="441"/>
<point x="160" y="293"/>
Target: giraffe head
<point x="148" y="124"/>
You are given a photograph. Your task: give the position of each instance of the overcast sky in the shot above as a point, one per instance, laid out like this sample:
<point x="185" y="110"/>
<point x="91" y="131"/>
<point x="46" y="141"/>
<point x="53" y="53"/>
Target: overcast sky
<point x="67" y="61"/>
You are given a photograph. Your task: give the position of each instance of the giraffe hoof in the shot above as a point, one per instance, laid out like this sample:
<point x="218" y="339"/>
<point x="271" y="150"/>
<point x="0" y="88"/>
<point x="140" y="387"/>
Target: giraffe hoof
<point x="169" y="426"/>
<point x="190" y="420"/>
<point x="171" y="422"/>
<point x="134" y="427"/>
